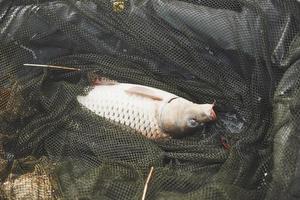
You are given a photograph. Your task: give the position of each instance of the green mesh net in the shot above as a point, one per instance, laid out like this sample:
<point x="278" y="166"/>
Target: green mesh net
<point x="244" y="54"/>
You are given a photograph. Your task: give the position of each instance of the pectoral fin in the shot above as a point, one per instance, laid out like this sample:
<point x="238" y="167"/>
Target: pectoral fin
<point x="144" y="92"/>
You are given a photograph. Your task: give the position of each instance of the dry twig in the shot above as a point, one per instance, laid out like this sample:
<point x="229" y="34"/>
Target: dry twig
<point x="52" y="66"/>
<point x="146" y="184"/>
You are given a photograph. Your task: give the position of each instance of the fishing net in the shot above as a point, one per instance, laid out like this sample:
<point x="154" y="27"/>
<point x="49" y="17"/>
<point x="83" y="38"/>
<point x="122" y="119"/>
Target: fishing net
<point x="243" y="54"/>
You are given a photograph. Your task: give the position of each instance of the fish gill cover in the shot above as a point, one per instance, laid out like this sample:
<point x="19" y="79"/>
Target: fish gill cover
<point x="242" y="53"/>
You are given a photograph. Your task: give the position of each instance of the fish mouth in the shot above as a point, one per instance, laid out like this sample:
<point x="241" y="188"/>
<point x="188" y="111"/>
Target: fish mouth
<point x="213" y="115"/>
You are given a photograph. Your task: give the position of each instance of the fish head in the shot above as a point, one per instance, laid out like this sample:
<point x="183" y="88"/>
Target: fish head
<point x="204" y="112"/>
<point x="181" y="116"/>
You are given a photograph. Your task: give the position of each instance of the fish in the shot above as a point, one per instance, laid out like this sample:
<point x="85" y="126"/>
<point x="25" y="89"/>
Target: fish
<point x="152" y="112"/>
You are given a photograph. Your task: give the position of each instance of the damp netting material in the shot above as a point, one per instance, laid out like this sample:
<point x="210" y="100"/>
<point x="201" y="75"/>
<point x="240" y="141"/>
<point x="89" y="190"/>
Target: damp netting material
<point x="242" y="53"/>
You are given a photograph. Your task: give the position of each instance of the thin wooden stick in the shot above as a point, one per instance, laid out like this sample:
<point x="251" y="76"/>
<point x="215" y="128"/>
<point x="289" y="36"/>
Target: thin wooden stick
<point x="146" y="184"/>
<point x="52" y="66"/>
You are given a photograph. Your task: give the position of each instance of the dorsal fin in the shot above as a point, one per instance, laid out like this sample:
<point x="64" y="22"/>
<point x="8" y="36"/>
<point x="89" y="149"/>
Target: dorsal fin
<point x="145" y="92"/>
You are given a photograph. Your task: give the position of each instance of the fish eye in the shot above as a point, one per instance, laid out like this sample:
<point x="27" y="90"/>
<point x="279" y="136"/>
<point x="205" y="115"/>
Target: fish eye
<point x="192" y="123"/>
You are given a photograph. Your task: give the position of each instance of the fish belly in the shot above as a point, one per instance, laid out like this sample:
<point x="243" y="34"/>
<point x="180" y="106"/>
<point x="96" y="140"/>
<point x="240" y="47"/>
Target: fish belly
<point x="136" y="112"/>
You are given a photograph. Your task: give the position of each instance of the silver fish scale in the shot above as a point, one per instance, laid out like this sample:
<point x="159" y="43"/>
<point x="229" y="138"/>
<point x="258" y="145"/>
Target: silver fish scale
<point x="134" y="111"/>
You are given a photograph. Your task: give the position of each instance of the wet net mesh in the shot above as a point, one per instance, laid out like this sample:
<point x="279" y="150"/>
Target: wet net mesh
<point x="244" y="54"/>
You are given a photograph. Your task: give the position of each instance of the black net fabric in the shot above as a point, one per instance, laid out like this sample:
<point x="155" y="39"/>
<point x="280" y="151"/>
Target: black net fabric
<point x="245" y="54"/>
